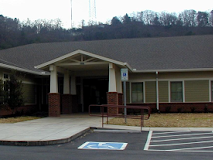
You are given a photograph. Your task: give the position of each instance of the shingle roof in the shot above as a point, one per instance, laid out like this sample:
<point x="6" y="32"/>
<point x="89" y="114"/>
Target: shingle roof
<point x="186" y="52"/>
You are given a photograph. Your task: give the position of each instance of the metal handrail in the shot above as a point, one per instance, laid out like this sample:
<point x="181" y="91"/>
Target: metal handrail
<point x="107" y="114"/>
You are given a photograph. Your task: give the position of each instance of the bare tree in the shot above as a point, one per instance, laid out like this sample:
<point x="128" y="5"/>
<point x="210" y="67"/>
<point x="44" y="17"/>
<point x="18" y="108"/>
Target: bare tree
<point x="211" y="18"/>
<point x="168" y="19"/>
<point x="148" y="17"/>
<point x="202" y="19"/>
<point x="188" y="18"/>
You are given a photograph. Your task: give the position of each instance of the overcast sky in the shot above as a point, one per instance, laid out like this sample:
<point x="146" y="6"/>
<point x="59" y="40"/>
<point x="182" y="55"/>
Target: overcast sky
<point x="105" y="9"/>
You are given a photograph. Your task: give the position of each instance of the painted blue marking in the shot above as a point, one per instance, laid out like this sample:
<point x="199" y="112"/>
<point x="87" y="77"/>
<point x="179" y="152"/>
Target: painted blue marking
<point x="104" y="145"/>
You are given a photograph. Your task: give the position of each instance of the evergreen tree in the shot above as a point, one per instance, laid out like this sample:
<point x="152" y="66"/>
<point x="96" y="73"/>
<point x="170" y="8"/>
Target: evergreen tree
<point x="13" y="93"/>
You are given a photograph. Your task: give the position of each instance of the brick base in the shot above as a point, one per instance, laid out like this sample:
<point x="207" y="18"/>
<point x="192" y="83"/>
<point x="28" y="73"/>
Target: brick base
<point x="114" y="98"/>
<point x="180" y="107"/>
<point x="54" y="104"/>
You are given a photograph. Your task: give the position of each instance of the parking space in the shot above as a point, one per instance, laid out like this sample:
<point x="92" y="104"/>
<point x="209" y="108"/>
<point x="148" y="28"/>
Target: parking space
<point x="180" y="141"/>
<point x="111" y="144"/>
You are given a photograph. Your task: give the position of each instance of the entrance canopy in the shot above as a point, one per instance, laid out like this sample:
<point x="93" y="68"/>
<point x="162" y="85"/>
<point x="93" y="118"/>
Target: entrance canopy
<point x="83" y="65"/>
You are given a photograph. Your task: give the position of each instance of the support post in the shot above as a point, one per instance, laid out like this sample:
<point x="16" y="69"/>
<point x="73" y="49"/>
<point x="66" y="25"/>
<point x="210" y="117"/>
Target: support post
<point x="112" y="78"/>
<point x="124" y="94"/>
<point x="53" y="79"/>
<point x="54" y="96"/>
<point x="124" y="78"/>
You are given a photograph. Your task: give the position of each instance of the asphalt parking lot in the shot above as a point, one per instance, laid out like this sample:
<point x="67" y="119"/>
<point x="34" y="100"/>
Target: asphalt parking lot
<point x="102" y="147"/>
<point x="180" y="141"/>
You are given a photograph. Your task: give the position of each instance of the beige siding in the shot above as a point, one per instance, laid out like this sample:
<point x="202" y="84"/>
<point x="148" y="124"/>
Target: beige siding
<point x="197" y="91"/>
<point x="127" y="93"/>
<point x="150" y="91"/>
<point x="29" y="93"/>
<point x="183" y="75"/>
<point x="139" y="77"/>
<point x="163" y="91"/>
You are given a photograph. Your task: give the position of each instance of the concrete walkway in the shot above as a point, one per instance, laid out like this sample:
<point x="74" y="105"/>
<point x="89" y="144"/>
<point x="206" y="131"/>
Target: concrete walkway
<point x="46" y="131"/>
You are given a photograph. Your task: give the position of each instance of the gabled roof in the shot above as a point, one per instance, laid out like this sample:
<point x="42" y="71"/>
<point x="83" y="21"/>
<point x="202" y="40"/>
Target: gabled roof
<point x="68" y="56"/>
<point x="142" y="54"/>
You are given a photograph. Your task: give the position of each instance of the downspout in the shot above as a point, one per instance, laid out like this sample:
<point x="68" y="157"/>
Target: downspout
<point x="157" y="92"/>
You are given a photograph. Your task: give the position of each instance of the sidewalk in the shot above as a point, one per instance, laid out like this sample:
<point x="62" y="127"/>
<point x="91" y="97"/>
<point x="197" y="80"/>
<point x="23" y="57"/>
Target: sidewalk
<point x="47" y="131"/>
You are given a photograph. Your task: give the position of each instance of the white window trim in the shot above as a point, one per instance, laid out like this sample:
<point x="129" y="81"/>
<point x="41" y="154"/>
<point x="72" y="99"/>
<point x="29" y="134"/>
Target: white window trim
<point x="5" y="79"/>
<point x="130" y="90"/>
<point x="144" y="92"/>
<point x="183" y="89"/>
<point x="210" y="79"/>
<point x="169" y="93"/>
<point x="183" y="84"/>
<point x="210" y="90"/>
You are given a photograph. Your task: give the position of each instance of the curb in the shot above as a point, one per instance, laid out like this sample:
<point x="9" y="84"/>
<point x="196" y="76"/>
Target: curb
<point x="44" y="143"/>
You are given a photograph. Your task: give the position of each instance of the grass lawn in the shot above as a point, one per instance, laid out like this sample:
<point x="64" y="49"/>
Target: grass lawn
<point x="170" y="120"/>
<point x="17" y="119"/>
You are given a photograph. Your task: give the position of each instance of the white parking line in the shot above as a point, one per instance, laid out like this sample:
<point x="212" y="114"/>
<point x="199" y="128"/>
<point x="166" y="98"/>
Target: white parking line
<point x="182" y="135"/>
<point x="146" y="147"/>
<point x="206" y="147"/>
<point x="177" y="139"/>
<point x="179" y="144"/>
<point x="202" y="151"/>
<point x="204" y="143"/>
<point x="171" y="132"/>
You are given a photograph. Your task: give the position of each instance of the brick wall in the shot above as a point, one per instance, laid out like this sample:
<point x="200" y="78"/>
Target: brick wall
<point x="180" y="107"/>
<point x="54" y="104"/>
<point x="6" y="111"/>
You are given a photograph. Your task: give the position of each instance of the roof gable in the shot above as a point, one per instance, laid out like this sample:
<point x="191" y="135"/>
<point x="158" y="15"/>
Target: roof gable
<point x="79" y="57"/>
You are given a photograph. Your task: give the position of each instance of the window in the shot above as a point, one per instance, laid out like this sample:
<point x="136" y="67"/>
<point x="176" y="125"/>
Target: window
<point x="6" y="76"/>
<point x="5" y="79"/>
<point x="5" y="95"/>
<point x="176" y="92"/>
<point x="137" y="92"/>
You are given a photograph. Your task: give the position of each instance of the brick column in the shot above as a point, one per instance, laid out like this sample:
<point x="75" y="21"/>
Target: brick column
<point x="114" y="98"/>
<point x="54" y="104"/>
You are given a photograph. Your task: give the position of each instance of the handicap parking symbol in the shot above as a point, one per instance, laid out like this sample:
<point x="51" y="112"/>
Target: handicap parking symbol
<point x="104" y="145"/>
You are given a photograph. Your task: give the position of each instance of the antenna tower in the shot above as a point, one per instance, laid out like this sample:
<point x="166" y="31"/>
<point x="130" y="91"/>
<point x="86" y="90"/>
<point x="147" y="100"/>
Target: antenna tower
<point x="71" y="14"/>
<point x="92" y="10"/>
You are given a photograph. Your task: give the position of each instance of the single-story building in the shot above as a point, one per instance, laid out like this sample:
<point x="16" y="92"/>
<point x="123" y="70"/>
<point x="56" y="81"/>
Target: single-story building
<point x="169" y="73"/>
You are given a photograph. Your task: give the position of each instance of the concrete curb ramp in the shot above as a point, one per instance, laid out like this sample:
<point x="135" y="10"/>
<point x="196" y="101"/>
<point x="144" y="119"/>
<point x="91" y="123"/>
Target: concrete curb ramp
<point x="44" y="143"/>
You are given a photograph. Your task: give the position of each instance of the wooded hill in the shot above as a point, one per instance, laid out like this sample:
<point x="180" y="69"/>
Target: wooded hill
<point x="142" y="24"/>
